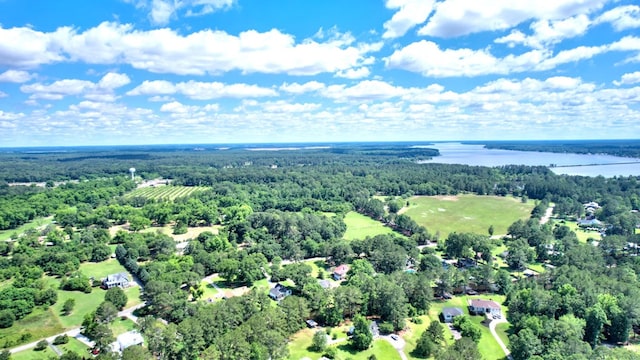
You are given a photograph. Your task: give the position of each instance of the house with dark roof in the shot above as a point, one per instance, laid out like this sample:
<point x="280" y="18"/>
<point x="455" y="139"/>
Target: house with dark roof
<point x="449" y="313"/>
<point x="340" y="272"/>
<point x="120" y="280"/>
<point x="479" y="306"/>
<point x="279" y="292"/>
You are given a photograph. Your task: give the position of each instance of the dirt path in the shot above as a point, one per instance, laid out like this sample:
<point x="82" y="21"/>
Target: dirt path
<point x="547" y="215"/>
<point x="492" y="328"/>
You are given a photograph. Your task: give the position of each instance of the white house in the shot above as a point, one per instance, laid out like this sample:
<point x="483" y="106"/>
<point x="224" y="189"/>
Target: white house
<point x="127" y="339"/>
<point x="449" y="313"/>
<point x="479" y="306"/>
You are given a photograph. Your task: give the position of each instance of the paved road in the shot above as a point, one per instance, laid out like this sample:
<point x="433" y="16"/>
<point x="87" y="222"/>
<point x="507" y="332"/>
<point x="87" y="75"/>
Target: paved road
<point x="492" y="328"/>
<point x="397" y="344"/>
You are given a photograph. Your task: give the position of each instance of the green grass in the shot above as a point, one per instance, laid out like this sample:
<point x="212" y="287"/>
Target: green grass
<point x="301" y="341"/>
<point x="504" y="330"/>
<point x="120" y="326"/>
<point x="488" y="346"/>
<point x="467" y="213"/>
<point x="583" y="235"/>
<point x="40" y="324"/>
<point x="102" y="269"/>
<point x="31" y="354"/>
<point x="360" y="226"/>
<point x="413" y="333"/>
<point x="165" y="192"/>
<point x="42" y="221"/>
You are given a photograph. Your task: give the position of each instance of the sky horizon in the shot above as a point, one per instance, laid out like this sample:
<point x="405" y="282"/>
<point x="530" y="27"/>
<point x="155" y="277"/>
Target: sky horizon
<point x="151" y="72"/>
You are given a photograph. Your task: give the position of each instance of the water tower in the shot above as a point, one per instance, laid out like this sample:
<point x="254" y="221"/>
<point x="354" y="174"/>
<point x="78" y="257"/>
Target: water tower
<point x="132" y="171"/>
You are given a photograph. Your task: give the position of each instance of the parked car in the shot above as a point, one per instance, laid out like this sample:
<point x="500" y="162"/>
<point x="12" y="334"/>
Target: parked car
<point x="394" y="337"/>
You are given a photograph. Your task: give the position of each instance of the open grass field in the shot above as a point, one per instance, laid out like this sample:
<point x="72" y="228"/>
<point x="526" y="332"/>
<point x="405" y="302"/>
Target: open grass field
<point x="165" y="192"/>
<point x="73" y="345"/>
<point x="582" y="234"/>
<point x="301" y="341"/>
<point x="101" y="269"/>
<point x="40" y="324"/>
<point x="360" y="226"/>
<point x="36" y="223"/>
<point x="192" y="232"/>
<point x="467" y="213"/>
<point x="121" y="326"/>
<point x="488" y="346"/>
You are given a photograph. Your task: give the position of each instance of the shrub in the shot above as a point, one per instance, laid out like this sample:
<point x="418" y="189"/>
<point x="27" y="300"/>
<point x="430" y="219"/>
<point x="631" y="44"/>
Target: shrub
<point x="61" y="339"/>
<point x="330" y="352"/>
<point x="416" y="320"/>
<point x="41" y="345"/>
<point x="386" y="328"/>
<point x="6" y="318"/>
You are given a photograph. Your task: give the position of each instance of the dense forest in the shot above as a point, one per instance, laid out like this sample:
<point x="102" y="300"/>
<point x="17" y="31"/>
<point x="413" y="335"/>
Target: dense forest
<point x="274" y="209"/>
<point x="624" y="148"/>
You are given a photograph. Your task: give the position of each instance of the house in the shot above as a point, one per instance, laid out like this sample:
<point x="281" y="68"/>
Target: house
<point x="126" y="340"/>
<point x="340" y="272"/>
<point x="120" y="280"/>
<point x="479" y="306"/>
<point x="279" y="292"/>
<point x="530" y="273"/>
<point x="589" y="223"/>
<point x="449" y="313"/>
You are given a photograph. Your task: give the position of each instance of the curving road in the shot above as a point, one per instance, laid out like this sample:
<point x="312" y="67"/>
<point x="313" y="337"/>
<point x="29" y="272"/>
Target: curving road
<point x="492" y="328"/>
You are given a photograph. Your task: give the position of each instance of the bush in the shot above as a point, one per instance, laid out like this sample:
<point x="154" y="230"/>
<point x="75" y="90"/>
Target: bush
<point x="61" y="339"/>
<point x="41" y="345"/>
<point x="386" y="328"/>
<point x="6" y="318"/>
<point x="330" y="352"/>
<point x="416" y="320"/>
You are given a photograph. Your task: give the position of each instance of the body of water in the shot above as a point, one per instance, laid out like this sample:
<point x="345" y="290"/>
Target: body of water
<point x="570" y="164"/>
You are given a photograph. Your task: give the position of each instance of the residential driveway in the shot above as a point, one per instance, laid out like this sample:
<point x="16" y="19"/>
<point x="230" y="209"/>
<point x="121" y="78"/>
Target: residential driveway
<point x="492" y="328"/>
<point x="398" y="343"/>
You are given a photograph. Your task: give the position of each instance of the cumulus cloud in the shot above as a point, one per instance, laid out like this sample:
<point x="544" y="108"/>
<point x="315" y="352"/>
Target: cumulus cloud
<point x="166" y="51"/>
<point x="622" y="17"/>
<point x="162" y="12"/>
<point x="103" y="90"/>
<point x="201" y="90"/>
<point x="548" y="32"/>
<point x="452" y="18"/>
<point x="16" y="76"/>
<point x="410" y="13"/>
<point x="354" y="73"/>
<point x="296" y="88"/>
<point x="363" y="91"/>
<point x="629" y="78"/>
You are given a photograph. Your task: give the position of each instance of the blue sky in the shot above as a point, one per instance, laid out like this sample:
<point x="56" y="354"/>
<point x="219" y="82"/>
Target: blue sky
<point x="236" y="71"/>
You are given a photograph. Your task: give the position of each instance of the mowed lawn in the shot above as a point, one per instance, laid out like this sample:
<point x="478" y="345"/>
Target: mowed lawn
<point x="360" y="226"/>
<point x="36" y="223"/>
<point x="301" y="341"/>
<point x="488" y="346"/>
<point x="467" y="213"/>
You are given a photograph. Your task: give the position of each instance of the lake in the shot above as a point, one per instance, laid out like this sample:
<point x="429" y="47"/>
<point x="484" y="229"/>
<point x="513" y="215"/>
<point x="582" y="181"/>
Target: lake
<point x="570" y="164"/>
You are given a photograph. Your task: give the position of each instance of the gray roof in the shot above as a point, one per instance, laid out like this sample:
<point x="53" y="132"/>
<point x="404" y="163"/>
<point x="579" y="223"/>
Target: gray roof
<point x="117" y="277"/>
<point x="452" y="311"/>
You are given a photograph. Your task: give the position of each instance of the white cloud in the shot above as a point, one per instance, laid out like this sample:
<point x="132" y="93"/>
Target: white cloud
<point x="410" y="13"/>
<point x="16" y="76"/>
<point x="354" y="73"/>
<point x="630" y="78"/>
<point x="3" y="94"/>
<point x="296" y="88"/>
<point x="162" y="11"/>
<point x="622" y="17"/>
<point x="427" y="58"/>
<point x="57" y="90"/>
<point x="454" y="18"/>
<point x="363" y="91"/>
<point x="548" y="32"/>
<point x="201" y="90"/>
<point x="166" y="51"/>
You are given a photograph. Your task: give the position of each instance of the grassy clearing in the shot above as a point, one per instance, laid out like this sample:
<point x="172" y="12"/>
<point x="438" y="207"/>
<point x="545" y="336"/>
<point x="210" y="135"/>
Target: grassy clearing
<point x="102" y="269"/>
<point x="360" y="226"/>
<point x="165" y="192"/>
<point x="467" y="213"/>
<point x="488" y="346"/>
<point x="301" y="341"/>
<point x="191" y="233"/>
<point x="34" y="355"/>
<point x="36" y="223"/>
<point x="504" y="330"/>
<point x="412" y="334"/>
<point x="40" y="324"/>
<point x="582" y="234"/>
<point x="121" y="326"/>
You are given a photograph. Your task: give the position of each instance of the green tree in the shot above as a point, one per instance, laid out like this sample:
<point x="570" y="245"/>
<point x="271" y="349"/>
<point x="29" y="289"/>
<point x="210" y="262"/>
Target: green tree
<point x="136" y="352"/>
<point x="319" y="341"/>
<point x="41" y="345"/>
<point x="106" y="312"/>
<point x="7" y="318"/>
<point x="117" y="297"/>
<point x="435" y="332"/>
<point x="362" y="337"/>
<point x="68" y="306"/>
<point x="596" y="319"/>
<point x="524" y="345"/>
<point x="425" y="346"/>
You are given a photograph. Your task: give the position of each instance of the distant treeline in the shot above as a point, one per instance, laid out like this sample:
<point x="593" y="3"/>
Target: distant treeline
<point x="625" y="148"/>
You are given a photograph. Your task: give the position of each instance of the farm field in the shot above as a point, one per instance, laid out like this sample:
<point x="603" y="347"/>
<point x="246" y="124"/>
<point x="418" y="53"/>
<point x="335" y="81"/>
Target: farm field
<point x="360" y="226"/>
<point x="467" y="213"/>
<point x="165" y="192"/>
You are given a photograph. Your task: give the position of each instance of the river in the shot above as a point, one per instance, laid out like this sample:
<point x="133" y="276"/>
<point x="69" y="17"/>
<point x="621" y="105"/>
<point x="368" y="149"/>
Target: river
<point x="565" y="163"/>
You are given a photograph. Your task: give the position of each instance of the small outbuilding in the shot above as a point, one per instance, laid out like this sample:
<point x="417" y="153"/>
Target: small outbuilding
<point x="311" y="324"/>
